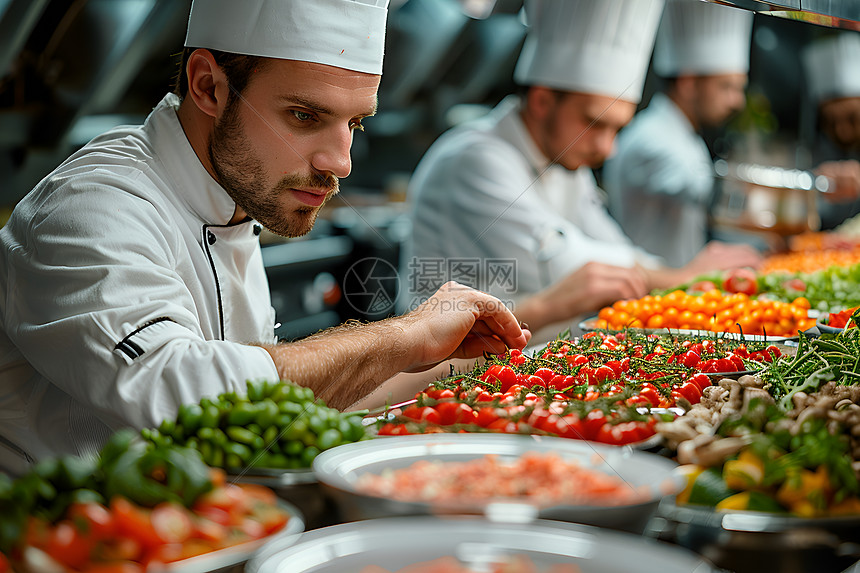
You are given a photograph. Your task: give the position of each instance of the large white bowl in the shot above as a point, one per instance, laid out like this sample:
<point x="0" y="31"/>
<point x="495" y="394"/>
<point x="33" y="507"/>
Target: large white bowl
<point x="394" y="543"/>
<point x="340" y="468"/>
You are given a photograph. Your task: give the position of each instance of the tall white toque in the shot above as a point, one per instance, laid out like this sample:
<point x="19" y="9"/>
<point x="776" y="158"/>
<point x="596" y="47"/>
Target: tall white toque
<point x="832" y="66"/>
<point x="591" y="46"/>
<point x="702" y="38"/>
<point x="348" y="34"/>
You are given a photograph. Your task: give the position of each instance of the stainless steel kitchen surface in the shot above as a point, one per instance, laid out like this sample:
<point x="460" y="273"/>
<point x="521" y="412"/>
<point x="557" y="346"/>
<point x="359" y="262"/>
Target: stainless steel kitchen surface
<point x="71" y="69"/>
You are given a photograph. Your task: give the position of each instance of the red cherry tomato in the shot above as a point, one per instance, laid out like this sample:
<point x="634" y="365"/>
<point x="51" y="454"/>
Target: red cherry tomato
<point x="741" y="281"/>
<point x="486" y="416"/>
<point x="594" y="420"/>
<point x="689" y="359"/>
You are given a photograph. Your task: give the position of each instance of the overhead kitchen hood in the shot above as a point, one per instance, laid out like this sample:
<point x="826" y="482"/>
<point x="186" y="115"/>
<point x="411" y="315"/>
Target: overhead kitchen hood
<point x="833" y="13"/>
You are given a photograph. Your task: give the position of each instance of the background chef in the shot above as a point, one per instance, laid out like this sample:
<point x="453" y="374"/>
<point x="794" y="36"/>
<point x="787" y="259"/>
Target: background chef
<point x="131" y="276"/>
<point x="517" y="184"/>
<point x="832" y="69"/>
<point x="660" y="180"/>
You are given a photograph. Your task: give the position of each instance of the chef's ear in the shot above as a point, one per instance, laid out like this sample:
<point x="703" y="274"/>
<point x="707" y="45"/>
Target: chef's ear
<point x="540" y="101"/>
<point x="685" y="87"/>
<point x="207" y="83"/>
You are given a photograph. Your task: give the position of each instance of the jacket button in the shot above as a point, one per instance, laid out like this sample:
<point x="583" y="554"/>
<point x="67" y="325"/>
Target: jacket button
<point x="258" y="229"/>
<point x="210" y="237"/>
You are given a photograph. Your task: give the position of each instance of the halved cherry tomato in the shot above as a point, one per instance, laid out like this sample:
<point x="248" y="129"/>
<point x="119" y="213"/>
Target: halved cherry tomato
<point x="701" y="380"/>
<point x="690" y="391"/>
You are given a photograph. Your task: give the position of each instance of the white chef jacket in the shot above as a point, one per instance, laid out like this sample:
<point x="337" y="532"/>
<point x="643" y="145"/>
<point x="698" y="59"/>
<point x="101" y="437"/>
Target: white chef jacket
<point x="485" y="192"/>
<point x="660" y="182"/>
<point x="125" y="292"/>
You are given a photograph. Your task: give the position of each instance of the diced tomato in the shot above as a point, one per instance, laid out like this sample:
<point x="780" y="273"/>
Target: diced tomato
<point x="172" y="522"/>
<point x="116" y="567"/>
<point x="91" y="519"/>
<point x="67" y="545"/>
<point x="134" y="522"/>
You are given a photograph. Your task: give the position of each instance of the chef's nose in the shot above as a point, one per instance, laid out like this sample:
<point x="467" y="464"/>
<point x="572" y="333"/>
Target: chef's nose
<point x="332" y="154"/>
<point x="605" y="142"/>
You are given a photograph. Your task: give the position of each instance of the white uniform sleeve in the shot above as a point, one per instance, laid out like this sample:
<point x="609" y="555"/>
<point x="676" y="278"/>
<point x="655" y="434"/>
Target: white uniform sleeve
<point x="92" y="282"/>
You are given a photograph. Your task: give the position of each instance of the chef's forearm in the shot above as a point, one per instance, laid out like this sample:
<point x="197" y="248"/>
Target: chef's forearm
<point x="345" y="363"/>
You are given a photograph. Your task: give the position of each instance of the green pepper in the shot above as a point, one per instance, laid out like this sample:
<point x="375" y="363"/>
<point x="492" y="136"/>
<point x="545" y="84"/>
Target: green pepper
<point x="290" y="408"/>
<point x="210" y="416"/>
<point x="242" y="451"/>
<point x="309" y="454"/>
<point x="245" y="436"/>
<point x="241" y="414"/>
<point x="256" y="390"/>
<point x="267" y="413"/>
<point x="293" y="448"/>
<point x="329" y="439"/>
<point x="296" y="430"/>
<point x="270" y="435"/>
<point x="189" y="416"/>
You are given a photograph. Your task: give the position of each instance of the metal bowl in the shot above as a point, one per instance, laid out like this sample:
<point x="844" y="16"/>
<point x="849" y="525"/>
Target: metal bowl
<point x="394" y="543"/>
<point x="233" y="559"/>
<point x="299" y="488"/>
<point x="823" y="327"/>
<point x="751" y="541"/>
<point x="339" y="469"/>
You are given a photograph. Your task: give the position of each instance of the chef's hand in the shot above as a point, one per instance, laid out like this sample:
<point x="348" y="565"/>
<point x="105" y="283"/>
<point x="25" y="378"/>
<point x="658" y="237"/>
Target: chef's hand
<point x="844" y="179"/>
<point x="589" y="288"/>
<point x="718" y="256"/>
<point x="459" y="322"/>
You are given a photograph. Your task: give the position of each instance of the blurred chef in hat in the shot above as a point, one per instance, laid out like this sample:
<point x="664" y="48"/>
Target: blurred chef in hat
<point x="832" y="68"/>
<point x="516" y="186"/>
<point x="132" y="276"/>
<point x="660" y="180"/>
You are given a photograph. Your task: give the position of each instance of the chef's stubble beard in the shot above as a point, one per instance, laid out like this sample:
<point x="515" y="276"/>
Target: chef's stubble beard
<point x="240" y="173"/>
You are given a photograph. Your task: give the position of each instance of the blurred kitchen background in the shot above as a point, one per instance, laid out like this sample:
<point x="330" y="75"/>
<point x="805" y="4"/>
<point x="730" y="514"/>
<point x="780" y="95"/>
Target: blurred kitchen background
<point x="71" y="69"/>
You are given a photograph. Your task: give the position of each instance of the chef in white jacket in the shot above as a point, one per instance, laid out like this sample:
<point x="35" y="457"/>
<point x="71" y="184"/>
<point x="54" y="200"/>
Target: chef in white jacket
<point x="131" y="276"/>
<point x="831" y="66"/>
<point x="660" y="180"/>
<point x="516" y="188"/>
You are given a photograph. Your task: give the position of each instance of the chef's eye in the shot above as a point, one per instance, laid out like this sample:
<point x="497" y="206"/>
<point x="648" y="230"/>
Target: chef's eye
<point x="356" y="125"/>
<point x="301" y="115"/>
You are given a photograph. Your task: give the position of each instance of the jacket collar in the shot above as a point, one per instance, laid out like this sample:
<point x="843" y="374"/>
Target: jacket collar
<point x="671" y="113"/>
<point x="194" y="185"/>
<point x="511" y="127"/>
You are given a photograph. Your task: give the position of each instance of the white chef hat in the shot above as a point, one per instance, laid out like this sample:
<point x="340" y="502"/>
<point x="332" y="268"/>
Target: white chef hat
<point x="832" y="66"/>
<point x="702" y="38"/>
<point x="348" y="34"/>
<point x="590" y="46"/>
